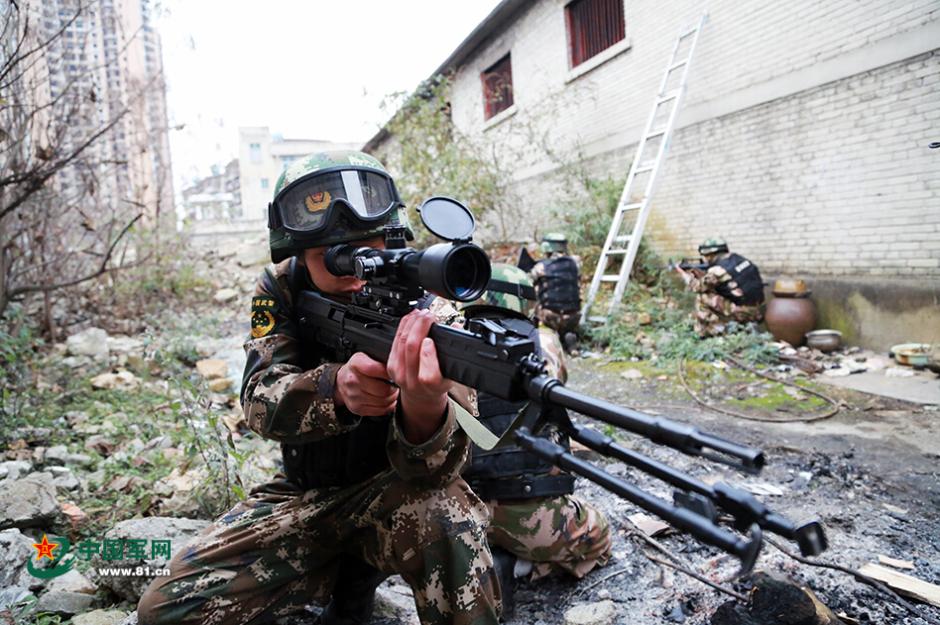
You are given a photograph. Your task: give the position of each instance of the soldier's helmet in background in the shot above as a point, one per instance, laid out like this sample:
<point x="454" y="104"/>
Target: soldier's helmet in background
<point x="554" y="242"/>
<point x="715" y="245"/>
<point x="509" y="290"/>
<point x="332" y="197"/>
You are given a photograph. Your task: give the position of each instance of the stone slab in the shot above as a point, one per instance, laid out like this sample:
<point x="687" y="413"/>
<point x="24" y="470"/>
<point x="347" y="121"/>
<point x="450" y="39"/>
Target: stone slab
<point x="921" y="388"/>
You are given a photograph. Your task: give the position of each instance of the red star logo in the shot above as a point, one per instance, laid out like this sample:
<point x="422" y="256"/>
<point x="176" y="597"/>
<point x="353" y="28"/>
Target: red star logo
<point x="44" y="549"/>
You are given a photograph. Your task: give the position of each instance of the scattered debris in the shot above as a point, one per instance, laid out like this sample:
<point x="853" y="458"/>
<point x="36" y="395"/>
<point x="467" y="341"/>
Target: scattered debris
<point x="75" y="515"/>
<point x="779" y="601"/>
<point x="72" y="581"/>
<point x="100" y="617"/>
<point x="905" y="584"/>
<point x="224" y="295"/>
<point x="212" y="368"/>
<point x="64" y="603"/>
<point x="651" y="526"/>
<point x="122" y="380"/>
<point x="898" y="564"/>
<point x="28" y="502"/>
<point x="895" y="509"/>
<point x="899" y="372"/>
<point x="178" y="531"/>
<point x="92" y="342"/>
<point x="632" y="374"/>
<point x="762" y="488"/>
<point x="219" y="385"/>
<point x="599" y="613"/>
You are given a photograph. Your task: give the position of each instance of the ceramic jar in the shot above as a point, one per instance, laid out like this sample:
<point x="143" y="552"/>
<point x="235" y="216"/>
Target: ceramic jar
<point x="791" y="313"/>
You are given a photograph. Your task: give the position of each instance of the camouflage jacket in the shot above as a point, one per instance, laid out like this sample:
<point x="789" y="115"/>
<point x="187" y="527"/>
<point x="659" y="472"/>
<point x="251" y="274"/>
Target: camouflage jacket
<point x="709" y="281"/>
<point x="289" y="402"/>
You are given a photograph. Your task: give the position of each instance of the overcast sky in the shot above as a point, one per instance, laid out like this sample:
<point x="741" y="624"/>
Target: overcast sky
<point x="307" y="69"/>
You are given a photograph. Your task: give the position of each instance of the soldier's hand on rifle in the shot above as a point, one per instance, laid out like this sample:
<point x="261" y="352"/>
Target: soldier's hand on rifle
<point x="413" y="366"/>
<point x="362" y="386"/>
<point x="686" y="277"/>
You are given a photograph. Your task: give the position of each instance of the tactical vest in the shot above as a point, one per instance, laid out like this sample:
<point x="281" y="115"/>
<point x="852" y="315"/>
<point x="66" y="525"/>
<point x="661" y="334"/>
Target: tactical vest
<point x="344" y="459"/>
<point x="747" y="277"/>
<point x="557" y="289"/>
<point x="510" y="472"/>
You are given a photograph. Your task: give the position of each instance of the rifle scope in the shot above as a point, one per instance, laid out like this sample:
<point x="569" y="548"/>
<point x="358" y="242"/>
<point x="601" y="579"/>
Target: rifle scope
<point x="455" y="271"/>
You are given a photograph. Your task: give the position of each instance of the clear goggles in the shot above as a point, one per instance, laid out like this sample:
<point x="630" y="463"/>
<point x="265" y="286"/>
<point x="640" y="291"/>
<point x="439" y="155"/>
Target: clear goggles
<point x="311" y="204"/>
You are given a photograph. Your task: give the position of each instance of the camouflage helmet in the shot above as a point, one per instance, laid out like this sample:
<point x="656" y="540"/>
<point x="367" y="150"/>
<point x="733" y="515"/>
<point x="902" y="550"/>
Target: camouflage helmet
<point x="714" y="245"/>
<point x="285" y="242"/>
<point x="554" y="242"/>
<point x="509" y="289"/>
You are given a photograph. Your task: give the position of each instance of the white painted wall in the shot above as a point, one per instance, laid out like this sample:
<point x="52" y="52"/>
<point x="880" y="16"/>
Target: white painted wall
<point x="802" y="139"/>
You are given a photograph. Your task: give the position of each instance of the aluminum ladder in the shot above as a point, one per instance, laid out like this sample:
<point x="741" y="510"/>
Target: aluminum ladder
<point x="619" y="246"/>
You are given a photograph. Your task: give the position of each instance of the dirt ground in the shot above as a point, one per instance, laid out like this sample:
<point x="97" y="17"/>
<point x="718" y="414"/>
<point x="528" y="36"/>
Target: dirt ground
<point x="870" y="474"/>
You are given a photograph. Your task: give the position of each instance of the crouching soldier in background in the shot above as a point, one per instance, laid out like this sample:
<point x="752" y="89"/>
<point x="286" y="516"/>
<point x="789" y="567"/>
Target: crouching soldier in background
<point x="536" y="518"/>
<point x="557" y="289"/>
<point x="372" y="450"/>
<point x="731" y="289"/>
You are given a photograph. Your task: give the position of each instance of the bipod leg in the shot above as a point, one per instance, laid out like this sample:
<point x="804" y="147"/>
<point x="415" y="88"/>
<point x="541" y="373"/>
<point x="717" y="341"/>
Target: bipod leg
<point x="700" y="527"/>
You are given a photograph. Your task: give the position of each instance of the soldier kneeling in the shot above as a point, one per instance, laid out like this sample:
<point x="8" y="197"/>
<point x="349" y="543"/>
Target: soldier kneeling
<point x="536" y="517"/>
<point x="731" y="289"/>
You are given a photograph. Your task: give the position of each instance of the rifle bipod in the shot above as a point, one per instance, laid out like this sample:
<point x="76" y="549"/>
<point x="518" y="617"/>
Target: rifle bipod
<point x="696" y="505"/>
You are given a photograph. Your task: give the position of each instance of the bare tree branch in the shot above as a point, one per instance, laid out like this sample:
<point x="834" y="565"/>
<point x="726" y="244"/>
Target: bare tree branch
<point x="102" y="268"/>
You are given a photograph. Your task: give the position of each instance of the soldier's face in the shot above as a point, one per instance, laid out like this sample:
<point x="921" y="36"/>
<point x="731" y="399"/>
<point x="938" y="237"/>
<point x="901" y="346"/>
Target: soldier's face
<point x="327" y="282"/>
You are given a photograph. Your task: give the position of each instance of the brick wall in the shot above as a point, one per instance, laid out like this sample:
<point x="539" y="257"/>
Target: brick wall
<point x="802" y="139"/>
<point x="836" y="180"/>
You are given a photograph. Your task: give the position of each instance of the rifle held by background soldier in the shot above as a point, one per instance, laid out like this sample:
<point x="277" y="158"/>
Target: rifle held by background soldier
<point x="688" y="264"/>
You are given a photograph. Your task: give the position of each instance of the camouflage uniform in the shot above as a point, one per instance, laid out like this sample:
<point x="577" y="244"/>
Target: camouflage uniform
<point x="556" y="534"/>
<point x="562" y="533"/>
<point x="712" y="310"/>
<point x="281" y="549"/>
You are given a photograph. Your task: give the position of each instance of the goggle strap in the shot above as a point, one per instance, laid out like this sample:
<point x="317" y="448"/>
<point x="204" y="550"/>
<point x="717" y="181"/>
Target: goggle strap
<point x="274" y="218"/>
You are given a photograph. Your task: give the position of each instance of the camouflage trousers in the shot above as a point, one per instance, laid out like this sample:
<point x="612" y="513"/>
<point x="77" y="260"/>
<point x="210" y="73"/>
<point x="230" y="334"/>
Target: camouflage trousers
<point x="713" y="312"/>
<point x="281" y="549"/>
<point x="556" y="534"/>
<point x="562" y="323"/>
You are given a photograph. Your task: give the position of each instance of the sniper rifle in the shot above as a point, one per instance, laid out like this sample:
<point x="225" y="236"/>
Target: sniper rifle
<point x="493" y="359"/>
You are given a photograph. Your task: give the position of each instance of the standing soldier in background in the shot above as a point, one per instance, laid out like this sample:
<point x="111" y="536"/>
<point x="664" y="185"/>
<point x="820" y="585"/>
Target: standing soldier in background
<point x="536" y="517"/>
<point x="557" y="289"/>
<point x="730" y="290"/>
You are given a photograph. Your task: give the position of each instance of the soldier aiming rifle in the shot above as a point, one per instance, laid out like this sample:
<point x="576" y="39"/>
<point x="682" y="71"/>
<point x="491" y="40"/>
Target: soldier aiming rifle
<point x="353" y="367"/>
<point x="728" y="288"/>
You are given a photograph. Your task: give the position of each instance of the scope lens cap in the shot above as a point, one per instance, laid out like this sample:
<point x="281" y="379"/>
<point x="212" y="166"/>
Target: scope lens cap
<point x="447" y="219"/>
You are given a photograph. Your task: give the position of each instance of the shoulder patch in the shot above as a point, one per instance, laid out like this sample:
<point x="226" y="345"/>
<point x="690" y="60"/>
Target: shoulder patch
<point x="262" y="319"/>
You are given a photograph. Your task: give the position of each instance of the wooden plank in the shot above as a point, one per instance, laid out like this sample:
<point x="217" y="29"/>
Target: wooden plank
<point x="904" y="584"/>
<point x="894" y="562"/>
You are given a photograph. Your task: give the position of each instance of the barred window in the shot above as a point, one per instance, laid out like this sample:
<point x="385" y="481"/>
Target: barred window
<point x="593" y="26"/>
<point x="497" y="87"/>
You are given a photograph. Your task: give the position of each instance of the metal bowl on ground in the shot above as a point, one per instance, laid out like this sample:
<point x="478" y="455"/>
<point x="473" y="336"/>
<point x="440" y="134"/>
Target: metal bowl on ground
<point x="912" y="354"/>
<point x="824" y="340"/>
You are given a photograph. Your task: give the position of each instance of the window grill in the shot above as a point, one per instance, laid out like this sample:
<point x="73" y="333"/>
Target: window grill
<point x="593" y="26"/>
<point x="497" y="87"/>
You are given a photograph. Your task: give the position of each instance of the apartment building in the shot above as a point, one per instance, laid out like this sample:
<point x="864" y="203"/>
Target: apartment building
<point x="109" y="52"/>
